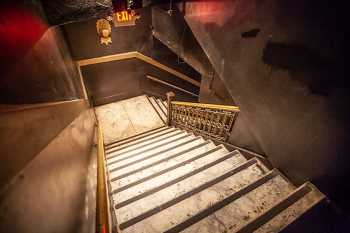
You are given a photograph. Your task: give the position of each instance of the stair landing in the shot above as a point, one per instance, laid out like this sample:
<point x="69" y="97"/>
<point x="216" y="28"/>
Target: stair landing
<point x="122" y="119"/>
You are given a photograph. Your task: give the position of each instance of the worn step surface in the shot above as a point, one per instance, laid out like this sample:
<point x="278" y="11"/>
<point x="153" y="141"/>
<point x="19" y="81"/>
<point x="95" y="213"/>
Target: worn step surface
<point x="169" y="180"/>
<point x="126" y="118"/>
<point x="136" y="137"/>
<point x="158" y="107"/>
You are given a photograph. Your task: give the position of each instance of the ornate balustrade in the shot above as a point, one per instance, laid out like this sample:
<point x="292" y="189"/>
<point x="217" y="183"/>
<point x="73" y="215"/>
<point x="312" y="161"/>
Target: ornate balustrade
<point x="213" y="121"/>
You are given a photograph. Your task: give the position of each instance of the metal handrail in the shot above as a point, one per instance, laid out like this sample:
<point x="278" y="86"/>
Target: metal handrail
<point x="102" y="195"/>
<point x="210" y="120"/>
<point x="208" y="106"/>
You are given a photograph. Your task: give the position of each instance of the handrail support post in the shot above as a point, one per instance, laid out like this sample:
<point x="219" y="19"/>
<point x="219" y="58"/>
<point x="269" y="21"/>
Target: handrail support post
<point x="170" y="96"/>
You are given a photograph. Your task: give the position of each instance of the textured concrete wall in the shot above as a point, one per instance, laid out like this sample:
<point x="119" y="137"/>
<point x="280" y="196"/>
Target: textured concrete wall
<point x="282" y="62"/>
<point x="55" y="191"/>
<point x="67" y="11"/>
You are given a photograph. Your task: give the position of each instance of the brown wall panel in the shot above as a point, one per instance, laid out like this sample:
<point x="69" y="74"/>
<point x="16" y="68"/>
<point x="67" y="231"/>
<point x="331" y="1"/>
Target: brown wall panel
<point x="44" y="73"/>
<point x="55" y="191"/>
<point x="24" y="133"/>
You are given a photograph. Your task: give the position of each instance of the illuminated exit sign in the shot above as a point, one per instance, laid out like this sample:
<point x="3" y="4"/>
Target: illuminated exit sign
<point x="125" y="18"/>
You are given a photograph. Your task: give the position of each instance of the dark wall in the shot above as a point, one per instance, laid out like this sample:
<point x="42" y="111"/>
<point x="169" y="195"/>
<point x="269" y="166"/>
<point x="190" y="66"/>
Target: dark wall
<point x="36" y="65"/>
<point x="53" y="183"/>
<point x="112" y="81"/>
<point x="174" y="33"/>
<point x="85" y="43"/>
<point x="117" y="80"/>
<point x="25" y="132"/>
<point x="282" y="62"/>
<point x="46" y="129"/>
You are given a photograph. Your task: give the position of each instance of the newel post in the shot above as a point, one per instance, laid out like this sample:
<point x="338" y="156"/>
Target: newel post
<point x="169" y="96"/>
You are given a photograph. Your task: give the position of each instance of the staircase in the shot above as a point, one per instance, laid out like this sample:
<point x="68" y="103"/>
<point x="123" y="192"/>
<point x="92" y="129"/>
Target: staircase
<point x="170" y="180"/>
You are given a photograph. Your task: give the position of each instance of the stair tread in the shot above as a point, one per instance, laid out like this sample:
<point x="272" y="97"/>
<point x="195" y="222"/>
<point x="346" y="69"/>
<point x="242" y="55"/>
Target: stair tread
<point x="157" y="108"/>
<point x="135" y="137"/>
<point x="161" y="105"/>
<point x="150" y="152"/>
<point x="178" y="173"/>
<point x="136" y="148"/>
<point x="166" y="166"/>
<point x="288" y="215"/>
<point x="165" y="103"/>
<point x="198" y="202"/>
<point x="138" y="138"/>
<point x="240" y="211"/>
<point x="130" y="211"/>
<point x="172" y="149"/>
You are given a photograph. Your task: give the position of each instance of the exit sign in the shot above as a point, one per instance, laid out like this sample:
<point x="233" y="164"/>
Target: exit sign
<point x="125" y="18"/>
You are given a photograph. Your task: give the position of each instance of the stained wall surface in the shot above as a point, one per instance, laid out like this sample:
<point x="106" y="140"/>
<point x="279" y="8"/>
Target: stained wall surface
<point x="282" y="62"/>
<point x="55" y="190"/>
<point x="47" y="168"/>
<point x="44" y="71"/>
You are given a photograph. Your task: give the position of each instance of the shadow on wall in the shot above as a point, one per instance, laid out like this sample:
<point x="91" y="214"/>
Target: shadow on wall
<point x="35" y="63"/>
<point x="300" y="116"/>
<point x="305" y="65"/>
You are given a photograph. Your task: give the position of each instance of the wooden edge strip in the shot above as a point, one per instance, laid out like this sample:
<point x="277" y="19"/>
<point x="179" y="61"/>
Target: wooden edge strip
<point x="102" y="195"/>
<point x="82" y="81"/>
<point x="170" y="85"/>
<point x="129" y="55"/>
<point x="211" y="106"/>
<point x="108" y="58"/>
<point x="4" y="108"/>
<point x="168" y="69"/>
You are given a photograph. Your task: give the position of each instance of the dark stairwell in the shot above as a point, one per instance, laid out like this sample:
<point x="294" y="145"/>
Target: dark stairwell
<point x="281" y="62"/>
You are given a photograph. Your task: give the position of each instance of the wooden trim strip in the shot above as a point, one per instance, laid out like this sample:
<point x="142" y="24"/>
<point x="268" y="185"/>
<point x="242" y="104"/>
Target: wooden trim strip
<point x="159" y="65"/>
<point x="108" y="58"/>
<point x="102" y="202"/>
<point x="82" y="82"/>
<point x="20" y="107"/>
<point x="171" y="85"/>
<point x="140" y="56"/>
<point x="211" y="106"/>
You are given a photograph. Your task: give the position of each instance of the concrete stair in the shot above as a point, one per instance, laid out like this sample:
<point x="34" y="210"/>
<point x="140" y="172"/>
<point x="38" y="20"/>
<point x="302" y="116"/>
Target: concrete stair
<point x="169" y="180"/>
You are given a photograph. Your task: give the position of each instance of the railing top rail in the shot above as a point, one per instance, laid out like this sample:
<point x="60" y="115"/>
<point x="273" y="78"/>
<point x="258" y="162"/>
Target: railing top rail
<point x="210" y="106"/>
<point x="102" y="202"/>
